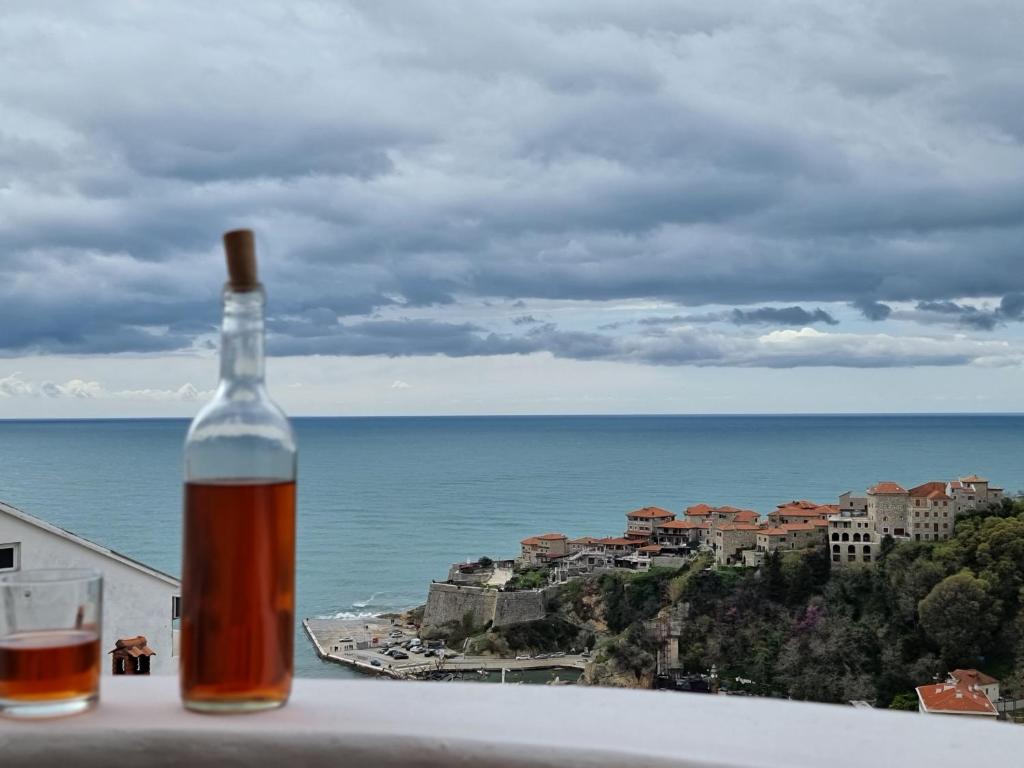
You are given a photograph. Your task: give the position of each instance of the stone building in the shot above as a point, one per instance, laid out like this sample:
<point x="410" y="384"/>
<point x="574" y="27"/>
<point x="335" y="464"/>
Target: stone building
<point x="931" y="512"/>
<point x="972" y="492"/>
<point x="640" y="523"/>
<point x="852" y="539"/>
<point x="802" y="511"/>
<point x="730" y="539"/>
<point x="538" y="549"/>
<point x="681" y="533"/>
<point x="888" y="508"/>
<point x="581" y="544"/>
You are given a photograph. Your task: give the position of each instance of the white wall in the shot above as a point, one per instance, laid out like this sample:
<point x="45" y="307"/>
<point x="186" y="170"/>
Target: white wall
<point x="134" y="602"/>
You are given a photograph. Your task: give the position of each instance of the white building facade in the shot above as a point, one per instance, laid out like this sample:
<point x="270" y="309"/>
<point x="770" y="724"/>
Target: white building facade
<point x="137" y="599"/>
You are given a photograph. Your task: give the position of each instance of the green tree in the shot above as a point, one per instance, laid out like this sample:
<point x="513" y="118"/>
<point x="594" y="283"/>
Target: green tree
<point x="904" y="701"/>
<point x="957" y="616"/>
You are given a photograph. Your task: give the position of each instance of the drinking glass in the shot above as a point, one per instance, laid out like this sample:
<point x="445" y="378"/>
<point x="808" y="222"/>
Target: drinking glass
<point x="50" y="641"/>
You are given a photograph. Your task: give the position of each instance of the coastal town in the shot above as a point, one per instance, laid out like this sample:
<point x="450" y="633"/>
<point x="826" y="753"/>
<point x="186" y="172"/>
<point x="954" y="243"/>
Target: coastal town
<point x="487" y="596"/>
<point x="852" y="529"/>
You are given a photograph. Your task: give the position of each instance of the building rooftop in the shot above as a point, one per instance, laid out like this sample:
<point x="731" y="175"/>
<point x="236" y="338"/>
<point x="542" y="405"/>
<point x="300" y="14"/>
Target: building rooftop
<point x="973" y="479"/>
<point x="929" y="490"/>
<point x="887" y="487"/>
<point x="972" y="677"/>
<point x="534" y="540"/>
<point x="83" y="542"/>
<point x="956" y="699"/>
<point x="650" y="512"/>
<point x="681" y="525"/>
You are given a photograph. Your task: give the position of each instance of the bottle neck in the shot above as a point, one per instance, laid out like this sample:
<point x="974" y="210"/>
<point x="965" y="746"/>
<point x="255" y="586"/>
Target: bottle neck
<point x="241" y="339"/>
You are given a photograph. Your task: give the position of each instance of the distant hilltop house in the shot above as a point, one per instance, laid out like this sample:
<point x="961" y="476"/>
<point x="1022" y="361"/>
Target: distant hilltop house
<point x="966" y="692"/>
<point x="139" y="602"/>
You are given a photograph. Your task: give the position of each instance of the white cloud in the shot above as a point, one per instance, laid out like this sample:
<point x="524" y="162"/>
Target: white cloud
<point x="16" y="386"/>
<point x="399" y="384"/>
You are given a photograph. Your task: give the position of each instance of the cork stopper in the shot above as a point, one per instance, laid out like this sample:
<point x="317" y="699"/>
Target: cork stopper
<point x="240" y="249"/>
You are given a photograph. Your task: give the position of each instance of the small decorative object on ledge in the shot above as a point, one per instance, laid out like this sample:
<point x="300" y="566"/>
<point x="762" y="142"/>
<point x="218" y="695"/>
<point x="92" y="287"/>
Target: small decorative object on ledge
<point x="131" y="656"/>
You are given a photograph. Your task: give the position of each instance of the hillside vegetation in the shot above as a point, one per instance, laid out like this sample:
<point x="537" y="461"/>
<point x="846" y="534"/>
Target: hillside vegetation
<point x="795" y="628"/>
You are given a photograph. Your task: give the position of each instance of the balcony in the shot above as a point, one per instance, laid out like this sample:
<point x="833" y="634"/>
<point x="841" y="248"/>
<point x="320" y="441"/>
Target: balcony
<point x="391" y="724"/>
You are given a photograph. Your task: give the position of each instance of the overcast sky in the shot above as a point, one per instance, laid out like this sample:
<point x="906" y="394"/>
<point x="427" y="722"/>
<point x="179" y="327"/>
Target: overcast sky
<point x="528" y="207"/>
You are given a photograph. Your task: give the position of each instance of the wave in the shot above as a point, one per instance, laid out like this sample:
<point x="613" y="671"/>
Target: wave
<point x="368" y="601"/>
<point x="349" y="615"/>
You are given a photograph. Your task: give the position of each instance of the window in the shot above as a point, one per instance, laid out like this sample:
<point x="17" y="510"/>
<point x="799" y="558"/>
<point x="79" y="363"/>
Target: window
<point x="856" y="537"/>
<point x="867" y="557"/>
<point x="867" y="537"/>
<point x="851" y="549"/>
<point x="175" y="607"/>
<point x="835" y="537"/>
<point x="867" y="551"/>
<point x="846" y="537"/>
<point x="835" y="558"/>
<point x="10" y="559"/>
<point x="835" y="548"/>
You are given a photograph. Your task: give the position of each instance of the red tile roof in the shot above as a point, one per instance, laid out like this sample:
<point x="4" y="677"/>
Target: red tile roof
<point x="698" y="510"/>
<point x="680" y="525"/>
<point x="887" y="486"/>
<point x="972" y="677"/>
<point x="620" y="541"/>
<point x="650" y="548"/>
<point x="926" y="489"/>
<point x="584" y="540"/>
<point x="804" y="512"/>
<point x="799" y="504"/>
<point x="534" y="540"/>
<point x="973" y="479"/>
<point x="650" y="512"/>
<point x="955" y="699"/>
<point x="746" y="516"/>
<point x="738" y="527"/>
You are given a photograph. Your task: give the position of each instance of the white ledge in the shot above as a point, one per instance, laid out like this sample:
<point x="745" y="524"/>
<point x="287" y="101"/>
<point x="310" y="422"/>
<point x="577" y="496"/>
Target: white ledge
<point x="389" y="724"/>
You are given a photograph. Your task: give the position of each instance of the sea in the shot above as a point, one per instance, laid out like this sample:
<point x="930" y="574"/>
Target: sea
<point x="387" y="504"/>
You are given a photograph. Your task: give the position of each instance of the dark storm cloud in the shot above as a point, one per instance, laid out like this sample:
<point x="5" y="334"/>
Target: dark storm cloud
<point x="872" y="310"/>
<point x="781" y="316"/>
<point x="396" y="157"/>
<point x="756" y="316"/>
<point x="525" y="320"/>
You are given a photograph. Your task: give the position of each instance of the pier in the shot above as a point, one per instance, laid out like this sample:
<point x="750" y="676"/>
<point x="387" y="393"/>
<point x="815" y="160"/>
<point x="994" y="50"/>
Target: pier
<point x="357" y="642"/>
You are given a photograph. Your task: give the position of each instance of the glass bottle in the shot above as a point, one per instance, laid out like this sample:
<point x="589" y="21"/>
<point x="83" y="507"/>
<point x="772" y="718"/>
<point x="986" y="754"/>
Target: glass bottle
<point x="238" y="571"/>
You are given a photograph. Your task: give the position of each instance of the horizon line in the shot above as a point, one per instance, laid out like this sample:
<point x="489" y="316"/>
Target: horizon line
<point x="737" y="414"/>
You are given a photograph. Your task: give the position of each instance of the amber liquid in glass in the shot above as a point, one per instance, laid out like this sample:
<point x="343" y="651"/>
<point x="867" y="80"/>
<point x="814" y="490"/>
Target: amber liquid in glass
<point x="50" y="664"/>
<point x="238" y="594"/>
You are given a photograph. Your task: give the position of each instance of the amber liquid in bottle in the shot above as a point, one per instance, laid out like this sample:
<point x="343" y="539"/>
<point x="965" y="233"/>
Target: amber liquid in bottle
<point x="238" y="592"/>
<point x="51" y="664"/>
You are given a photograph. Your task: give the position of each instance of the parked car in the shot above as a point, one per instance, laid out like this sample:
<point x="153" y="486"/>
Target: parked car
<point x="523" y="658"/>
<point x="430" y="652"/>
<point x="399" y="655"/>
<point x="416" y="649"/>
<point x="375" y="662"/>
